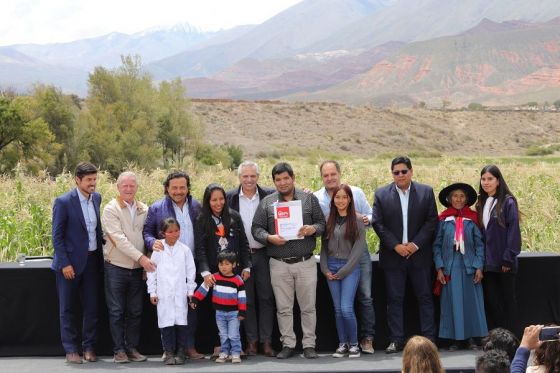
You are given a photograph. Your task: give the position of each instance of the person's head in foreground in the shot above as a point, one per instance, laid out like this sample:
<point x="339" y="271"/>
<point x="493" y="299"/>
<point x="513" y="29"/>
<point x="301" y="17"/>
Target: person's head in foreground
<point x="493" y="361"/>
<point x="501" y="339"/>
<point x="420" y="355"/>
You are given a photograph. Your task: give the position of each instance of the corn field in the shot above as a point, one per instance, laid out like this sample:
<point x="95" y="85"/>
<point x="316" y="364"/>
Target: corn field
<point x="26" y="201"/>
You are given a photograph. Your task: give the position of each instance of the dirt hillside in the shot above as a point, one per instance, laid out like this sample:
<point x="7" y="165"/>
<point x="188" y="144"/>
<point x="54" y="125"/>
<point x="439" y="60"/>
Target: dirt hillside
<point x="273" y="128"/>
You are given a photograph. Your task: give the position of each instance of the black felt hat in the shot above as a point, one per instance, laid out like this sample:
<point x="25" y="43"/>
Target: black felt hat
<point x="469" y="192"/>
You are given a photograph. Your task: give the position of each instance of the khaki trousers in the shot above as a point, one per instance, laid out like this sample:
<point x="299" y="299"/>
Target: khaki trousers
<point x="299" y="279"/>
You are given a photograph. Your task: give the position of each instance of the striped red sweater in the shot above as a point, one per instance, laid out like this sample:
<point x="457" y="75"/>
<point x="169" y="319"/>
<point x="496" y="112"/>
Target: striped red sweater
<point x="228" y="294"/>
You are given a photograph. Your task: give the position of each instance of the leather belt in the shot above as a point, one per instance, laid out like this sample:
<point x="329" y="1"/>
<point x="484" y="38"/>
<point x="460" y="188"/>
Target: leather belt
<point x="294" y="259"/>
<point x="253" y="250"/>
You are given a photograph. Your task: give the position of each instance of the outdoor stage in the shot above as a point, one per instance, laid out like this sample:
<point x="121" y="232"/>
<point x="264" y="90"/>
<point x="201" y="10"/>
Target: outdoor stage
<point x="29" y="324"/>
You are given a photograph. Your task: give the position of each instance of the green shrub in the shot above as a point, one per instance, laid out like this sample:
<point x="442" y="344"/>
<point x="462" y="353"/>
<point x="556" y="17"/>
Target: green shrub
<point x="538" y="150"/>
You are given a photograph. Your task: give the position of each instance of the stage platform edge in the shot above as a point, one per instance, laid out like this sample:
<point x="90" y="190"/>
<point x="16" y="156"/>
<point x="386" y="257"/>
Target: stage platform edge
<point x="456" y="362"/>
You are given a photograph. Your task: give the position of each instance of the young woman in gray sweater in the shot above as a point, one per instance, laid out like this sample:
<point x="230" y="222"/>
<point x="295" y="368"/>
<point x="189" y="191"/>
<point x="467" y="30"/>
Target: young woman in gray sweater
<point x="341" y="249"/>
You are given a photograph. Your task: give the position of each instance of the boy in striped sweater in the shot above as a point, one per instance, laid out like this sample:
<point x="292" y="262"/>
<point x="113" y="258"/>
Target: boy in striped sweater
<point x="228" y="298"/>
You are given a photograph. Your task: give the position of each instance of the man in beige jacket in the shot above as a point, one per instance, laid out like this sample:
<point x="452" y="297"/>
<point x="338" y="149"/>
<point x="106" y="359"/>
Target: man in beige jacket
<point x="125" y="260"/>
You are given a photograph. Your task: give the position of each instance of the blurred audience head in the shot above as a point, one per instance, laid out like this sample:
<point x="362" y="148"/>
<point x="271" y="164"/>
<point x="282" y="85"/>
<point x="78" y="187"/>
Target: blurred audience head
<point x="502" y="340"/>
<point x="492" y="361"/>
<point x="420" y="355"/>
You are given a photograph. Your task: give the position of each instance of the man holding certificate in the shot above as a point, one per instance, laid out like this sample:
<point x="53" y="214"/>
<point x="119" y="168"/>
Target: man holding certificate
<point x="287" y="222"/>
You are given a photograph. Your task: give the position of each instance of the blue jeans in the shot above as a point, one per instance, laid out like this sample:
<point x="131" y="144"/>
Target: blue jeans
<point x="124" y="293"/>
<point x="343" y="293"/>
<point x="228" y="327"/>
<point x="366" y="312"/>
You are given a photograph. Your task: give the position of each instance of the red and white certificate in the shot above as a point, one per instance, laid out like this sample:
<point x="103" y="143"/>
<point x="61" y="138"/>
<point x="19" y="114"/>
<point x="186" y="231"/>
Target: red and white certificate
<point x="288" y="219"/>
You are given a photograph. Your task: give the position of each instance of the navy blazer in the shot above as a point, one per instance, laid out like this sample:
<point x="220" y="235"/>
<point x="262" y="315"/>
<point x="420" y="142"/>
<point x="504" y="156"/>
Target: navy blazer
<point x="503" y="243"/>
<point x="232" y="196"/>
<point x="163" y="209"/>
<point x="388" y="224"/>
<point x="69" y="232"/>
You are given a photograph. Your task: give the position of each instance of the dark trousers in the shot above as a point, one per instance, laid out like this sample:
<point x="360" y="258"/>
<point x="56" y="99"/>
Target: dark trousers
<point x="192" y="320"/>
<point x="395" y="280"/>
<point x="260" y="299"/>
<point x="124" y="293"/>
<point x="83" y="288"/>
<point x="500" y="301"/>
<point x="366" y="312"/>
<point x="174" y="338"/>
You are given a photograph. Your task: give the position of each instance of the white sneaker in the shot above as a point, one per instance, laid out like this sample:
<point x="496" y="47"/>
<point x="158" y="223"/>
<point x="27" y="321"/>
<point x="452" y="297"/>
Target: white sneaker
<point x="354" y="351"/>
<point x="341" y="351"/>
<point x="236" y="359"/>
<point x="222" y="358"/>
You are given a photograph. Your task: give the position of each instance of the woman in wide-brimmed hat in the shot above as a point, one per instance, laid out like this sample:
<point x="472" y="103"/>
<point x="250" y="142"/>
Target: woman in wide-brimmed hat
<point x="459" y="259"/>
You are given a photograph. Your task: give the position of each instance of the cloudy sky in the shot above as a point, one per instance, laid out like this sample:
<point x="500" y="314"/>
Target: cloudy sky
<point x="49" y="21"/>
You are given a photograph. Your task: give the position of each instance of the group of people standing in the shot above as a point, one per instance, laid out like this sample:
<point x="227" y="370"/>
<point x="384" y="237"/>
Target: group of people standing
<point x="255" y="274"/>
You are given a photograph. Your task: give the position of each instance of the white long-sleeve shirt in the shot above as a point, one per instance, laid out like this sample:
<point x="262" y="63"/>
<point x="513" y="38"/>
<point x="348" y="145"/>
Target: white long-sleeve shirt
<point x="172" y="283"/>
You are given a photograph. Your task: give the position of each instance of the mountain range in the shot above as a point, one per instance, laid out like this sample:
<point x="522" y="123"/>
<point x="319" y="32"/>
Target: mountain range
<point x="495" y="52"/>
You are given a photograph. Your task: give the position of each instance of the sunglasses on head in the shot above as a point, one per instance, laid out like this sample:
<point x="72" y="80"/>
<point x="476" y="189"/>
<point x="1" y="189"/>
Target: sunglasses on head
<point x="403" y="172"/>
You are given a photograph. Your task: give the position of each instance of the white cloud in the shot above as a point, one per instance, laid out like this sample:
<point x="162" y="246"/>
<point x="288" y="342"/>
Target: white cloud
<point x="49" y="21"/>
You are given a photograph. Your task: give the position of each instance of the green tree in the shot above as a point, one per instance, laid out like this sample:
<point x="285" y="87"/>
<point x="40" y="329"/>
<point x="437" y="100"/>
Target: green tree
<point x="557" y="104"/>
<point x="120" y="123"/>
<point x="60" y="112"/>
<point x="179" y="133"/>
<point x="22" y="137"/>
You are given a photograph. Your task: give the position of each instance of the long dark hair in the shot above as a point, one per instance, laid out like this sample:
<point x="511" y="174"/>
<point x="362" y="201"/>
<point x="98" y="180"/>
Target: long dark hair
<point x="205" y="217"/>
<point x="351" y="233"/>
<point x="502" y="192"/>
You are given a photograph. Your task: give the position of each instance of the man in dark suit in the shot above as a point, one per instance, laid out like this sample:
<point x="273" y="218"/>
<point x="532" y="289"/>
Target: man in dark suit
<point x="78" y="260"/>
<point x="405" y="219"/>
<point x="245" y="200"/>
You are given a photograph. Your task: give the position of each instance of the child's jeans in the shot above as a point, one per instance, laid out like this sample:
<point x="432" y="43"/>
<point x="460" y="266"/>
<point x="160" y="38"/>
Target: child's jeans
<point x="174" y="338"/>
<point x="228" y="326"/>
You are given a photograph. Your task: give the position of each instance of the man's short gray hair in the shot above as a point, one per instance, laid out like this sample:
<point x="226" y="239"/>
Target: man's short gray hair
<point x="126" y="174"/>
<point x="248" y="164"/>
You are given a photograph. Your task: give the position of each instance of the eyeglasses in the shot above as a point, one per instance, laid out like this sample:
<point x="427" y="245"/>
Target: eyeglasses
<point x="403" y="172"/>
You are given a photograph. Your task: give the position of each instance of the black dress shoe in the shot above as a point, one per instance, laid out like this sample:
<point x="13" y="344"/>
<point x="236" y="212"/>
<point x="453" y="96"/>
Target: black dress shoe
<point x="285" y="353"/>
<point x="393" y="348"/>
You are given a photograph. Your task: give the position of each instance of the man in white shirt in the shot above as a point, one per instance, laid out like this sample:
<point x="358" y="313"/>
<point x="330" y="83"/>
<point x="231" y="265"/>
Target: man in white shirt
<point x="245" y="199"/>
